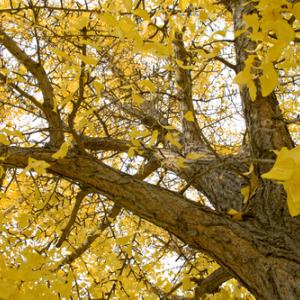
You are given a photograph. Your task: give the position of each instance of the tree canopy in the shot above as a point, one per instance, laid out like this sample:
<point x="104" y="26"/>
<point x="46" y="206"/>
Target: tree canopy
<point x="148" y="149"/>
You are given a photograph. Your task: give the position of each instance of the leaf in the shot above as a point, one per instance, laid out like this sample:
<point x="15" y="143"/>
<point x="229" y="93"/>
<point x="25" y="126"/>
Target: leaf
<point x="187" y="284"/>
<point x="62" y="152"/>
<point x="123" y="240"/>
<point x="194" y="155"/>
<point x="189" y="116"/>
<point x="250" y="190"/>
<point x="203" y="16"/>
<point x="142" y="13"/>
<point x="88" y="59"/>
<point x="127" y="4"/>
<point x="109" y="19"/>
<point x="287" y="169"/>
<point x="81" y="21"/>
<point x="131" y="152"/>
<point x="4" y="140"/>
<point x="269" y="79"/>
<point x="38" y="166"/>
<point x="296" y="10"/>
<point x="236" y="215"/>
<point x="180" y="162"/>
<point x="148" y="84"/>
<point x="153" y="138"/>
<point x="183" y="4"/>
<point x="98" y="86"/>
<point x="137" y="99"/>
<point x="283" y="167"/>
<point x="174" y="141"/>
<point x="292" y="187"/>
<point x="182" y="66"/>
<point x="285" y="33"/>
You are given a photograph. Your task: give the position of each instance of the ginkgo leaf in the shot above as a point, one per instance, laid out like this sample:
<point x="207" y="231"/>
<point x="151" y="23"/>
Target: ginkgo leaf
<point x="236" y="215"/>
<point x="88" y="59"/>
<point x="283" y="167"/>
<point x="296" y="10"/>
<point x="183" y="4"/>
<point x="131" y="152"/>
<point x="38" y="166"/>
<point x="269" y="79"/>
<point x="98" y="86"/>
<point x="292" y="187"/>
<point x="187" y="284"/>
<point x="180" y="163"/>
<point x="137" y="99"/>
<point x="4" y="140"/>
<point x="195" y="155"/>
<point x="127" y="4"/>
<point x="62" y="152"/>
<point x="123" y="240"/>
<point x="203" y="16"/>
<point x="173" y="140"/>
<point x="109" y="19"/>
<point x="189" y="116"/>
<point x="148" y="84"/>
<point x="153" y="138"/>
<point x="284" y="31"/>
<point x="245" y="191"/>
<point x="182" y="66"/>
<point x="81" y="22"/>
<point x="142" y="13"/>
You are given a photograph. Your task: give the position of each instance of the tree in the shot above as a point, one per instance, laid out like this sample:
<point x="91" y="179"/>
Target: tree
<point x="139" y="132"/>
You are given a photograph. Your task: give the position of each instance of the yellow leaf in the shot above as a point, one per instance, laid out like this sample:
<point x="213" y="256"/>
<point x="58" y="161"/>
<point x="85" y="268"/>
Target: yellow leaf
<point x="236" y="215"/>
<point x="137" y="99"/>
<point x="194" y="155"/>
<point x="203" y="15"/>
<point x="284" y="31"/>
<point x="153" y="138"/>
<point x="251" y="169"/>
<point x="131" y="152"/>
<point x="88" y="60"/>
<point x="269" y="79"/>
<point x="142" y="13"/>
<point x="283" y="167"/>
<point x="169" y="137"/>
<point x="187" y="283"/>
<point x="4" y="140"/>
<point x="180" y="162"/>
<point x="189" y="116"/>
<point x="123" y="240"/>
<point x="252" y="90"/>
<point x="292" y="187"/>
<point x="245" y="191"/>
<point x="183" y="4"/>
<point x="148" y="84"/>
<point x="98" y="86"/>
<point x="296" y="10"/>
<point x="127" y="4"/>
<point x="110" y="20"/>
<point x="38" y="166"/>
<point x="62" y="152"/>
<point x="182" y="66"/>
<point x="81" y="21"/>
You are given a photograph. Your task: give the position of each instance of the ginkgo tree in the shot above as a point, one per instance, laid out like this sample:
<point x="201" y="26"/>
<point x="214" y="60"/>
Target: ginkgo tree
<point x="148" y="149"/>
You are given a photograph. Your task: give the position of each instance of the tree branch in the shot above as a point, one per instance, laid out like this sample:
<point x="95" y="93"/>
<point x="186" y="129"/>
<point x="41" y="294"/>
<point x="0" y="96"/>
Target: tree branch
<point x="37" y="70"/>
<point x="211" y="283"/>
